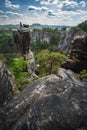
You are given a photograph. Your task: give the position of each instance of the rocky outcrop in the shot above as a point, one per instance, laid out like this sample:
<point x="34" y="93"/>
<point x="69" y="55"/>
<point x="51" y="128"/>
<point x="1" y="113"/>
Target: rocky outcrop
<point x="22" y="40"/>
<point x="55" y="102"/>
<point x="66" y="37"/>
<point x="44" y="35"/>
<point x="78" y="56"/>
<point x="39" y="36"/>
<point x="31" y="66"/>
<point x="6" y="85"/>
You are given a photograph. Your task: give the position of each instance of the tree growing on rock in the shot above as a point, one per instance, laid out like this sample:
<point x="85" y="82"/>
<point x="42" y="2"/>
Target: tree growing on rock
<point x="49" y="61"/>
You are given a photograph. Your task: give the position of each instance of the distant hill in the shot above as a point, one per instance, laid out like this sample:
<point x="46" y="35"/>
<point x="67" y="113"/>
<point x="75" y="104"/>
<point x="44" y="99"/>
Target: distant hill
<point x="9" y="26"/>
<point x="35" y="25"/>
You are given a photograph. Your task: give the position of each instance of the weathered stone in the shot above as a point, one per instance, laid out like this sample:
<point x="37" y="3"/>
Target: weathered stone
<point x="31" y="66"/>
<point x="6" y="84"/>
<point x="55" y="102"/>
<point x="78" y="56"/>
<point x="22" y="40"/>
<point x="66" y="37"/>
<point x="64" y="41"/>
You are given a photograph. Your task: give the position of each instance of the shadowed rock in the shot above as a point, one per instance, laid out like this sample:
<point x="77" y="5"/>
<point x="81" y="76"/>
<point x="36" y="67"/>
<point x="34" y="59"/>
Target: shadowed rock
<point x="78" y="56"/>
<point x="55" y="102"/>
<point x="22" y="40"/>
<point x="6" y="84"/>
<point x="66" y="37"/>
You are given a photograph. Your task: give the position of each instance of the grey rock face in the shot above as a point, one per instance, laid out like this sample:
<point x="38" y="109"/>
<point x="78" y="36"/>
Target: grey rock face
<point x="55" y="102"/>
<point x="22" y="40"/>
<point x="40" y="36"/>
<point x="67" y="37"/>
<point x="78" y="56"/>
<point x="31" y="66"/>
<point x="6" y="84"/>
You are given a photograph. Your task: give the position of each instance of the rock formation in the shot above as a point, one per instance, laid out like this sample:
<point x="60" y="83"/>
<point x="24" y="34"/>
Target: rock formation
<point x="31" y="66"/>
<point x="64" y="41"/>
<point x="66" y="37"/>
<point x="78" y="56"/>
<point x="6" y="85"/>
<point x="22" y="40"/>
<point x="55" y="102"/>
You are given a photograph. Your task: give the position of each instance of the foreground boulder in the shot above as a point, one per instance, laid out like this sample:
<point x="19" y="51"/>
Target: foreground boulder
<point x="6" y="85"/>
<point x="55" y="102"/>
<point x="77" y="60"/>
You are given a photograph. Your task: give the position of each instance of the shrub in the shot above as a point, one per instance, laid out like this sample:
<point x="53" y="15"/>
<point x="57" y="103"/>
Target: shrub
<point x="49" y="61"/>
<point x="83" y="75"/>
<point x="19" y="71"/>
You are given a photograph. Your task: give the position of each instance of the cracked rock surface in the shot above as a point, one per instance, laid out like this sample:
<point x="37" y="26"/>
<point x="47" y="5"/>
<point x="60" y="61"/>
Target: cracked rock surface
<point x="55" y="102"/>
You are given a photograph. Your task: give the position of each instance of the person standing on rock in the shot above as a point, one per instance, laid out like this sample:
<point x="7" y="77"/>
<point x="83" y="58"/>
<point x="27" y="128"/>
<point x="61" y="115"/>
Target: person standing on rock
<point x="20" y="25"/>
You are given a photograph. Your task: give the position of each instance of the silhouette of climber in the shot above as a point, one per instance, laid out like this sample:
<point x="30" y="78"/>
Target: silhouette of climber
<point x="20" y="25"/>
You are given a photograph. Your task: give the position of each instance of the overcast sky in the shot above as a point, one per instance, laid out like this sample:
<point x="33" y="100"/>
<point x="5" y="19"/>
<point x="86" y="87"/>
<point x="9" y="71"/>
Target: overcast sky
<point x="53" y="12"/>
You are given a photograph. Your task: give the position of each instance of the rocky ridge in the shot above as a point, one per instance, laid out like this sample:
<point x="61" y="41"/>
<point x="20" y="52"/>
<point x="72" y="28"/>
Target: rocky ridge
<point x="66" y="37"/>
<point x="55" y="102"/>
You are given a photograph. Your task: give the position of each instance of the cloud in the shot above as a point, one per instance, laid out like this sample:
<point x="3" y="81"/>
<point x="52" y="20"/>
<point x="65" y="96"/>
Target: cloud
<point x="69" y="5"/>
<point x="8" y="4"/>
<point x="34" y="8"/>
<point x="57" y="12"/>
<point x="1" y="12"/>
<point x="51" y="13"/>
<point x="44" y="8"/>
<point x="3" y="16"/>
<point x="48" y="2"/>
<point x="9" y="13"/>
<point x="60" y="12"/>
<point x="83" y="4"/>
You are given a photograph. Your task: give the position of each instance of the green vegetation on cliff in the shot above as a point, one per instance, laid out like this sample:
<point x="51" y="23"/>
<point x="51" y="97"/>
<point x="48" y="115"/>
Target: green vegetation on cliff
<point x="46" y="38"/>
<point x="19" y="71"/>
